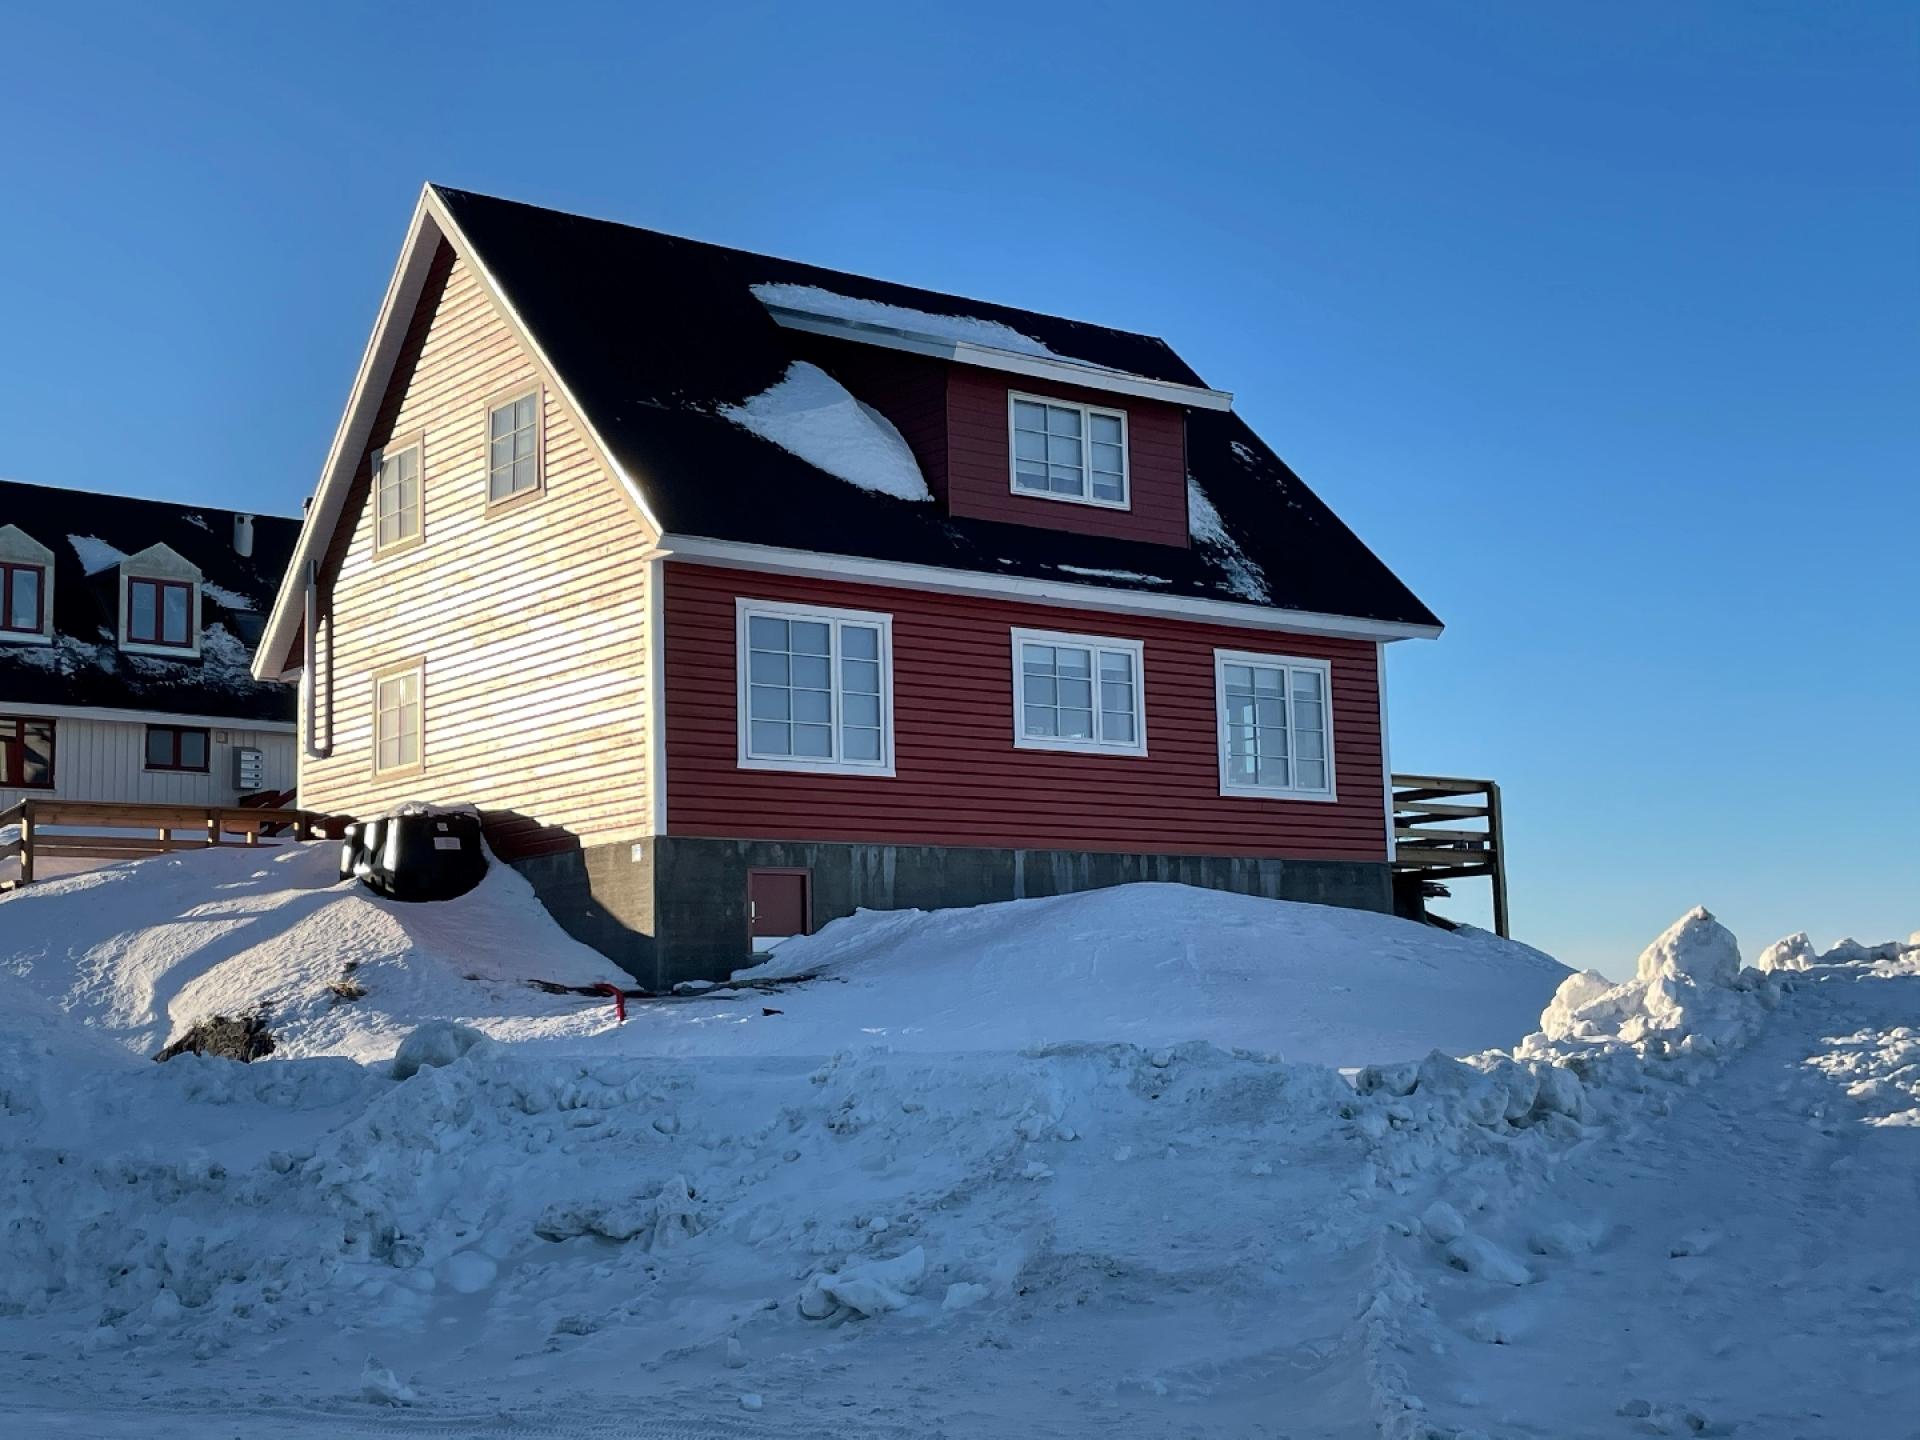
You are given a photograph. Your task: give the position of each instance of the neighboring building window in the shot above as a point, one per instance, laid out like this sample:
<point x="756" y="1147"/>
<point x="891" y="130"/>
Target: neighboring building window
<point x="160" y="612"/>
<point x="176" y="747"/>
<point x="1275" y="730"/>
<point x="1069" y="452"/>
<point x="816" y="689"/>
<point x="513" y="447"/>
<point x="396" y="498"/>
<point x="1078" y="692"/>
<point x="26" y="754"/>
<point x="396" y="721"/>
<point x="22" y="591"/>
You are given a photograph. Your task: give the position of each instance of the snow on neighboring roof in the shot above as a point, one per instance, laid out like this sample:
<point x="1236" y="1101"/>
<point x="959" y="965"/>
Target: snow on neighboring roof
<point x="1204" y="525"/>
<point x="1094" y="572"/>
<point x="95" y="554"/>
<point x="962" y="329"/>
<point x="814" y="416"/>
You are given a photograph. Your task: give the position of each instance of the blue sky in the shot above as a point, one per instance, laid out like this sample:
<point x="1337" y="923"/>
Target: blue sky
<point x="1601" y="324"/>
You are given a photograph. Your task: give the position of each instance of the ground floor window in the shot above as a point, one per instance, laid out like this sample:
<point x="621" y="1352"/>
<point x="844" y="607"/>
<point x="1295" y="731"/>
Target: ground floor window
<point x="1078" y="692"/>
<point x="177" y="747"/>
<point x="816" y="689"/>
<point x="396" y="720"/>
<point x="1275" y="731"/>
<point x="26" y="753"/>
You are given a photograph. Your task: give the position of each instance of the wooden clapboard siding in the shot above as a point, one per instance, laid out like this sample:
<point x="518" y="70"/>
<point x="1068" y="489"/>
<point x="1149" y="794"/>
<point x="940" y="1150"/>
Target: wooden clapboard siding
<point x="960" y="780"/>
<point x="107" y="760"/>
<point x="530" y="619"/>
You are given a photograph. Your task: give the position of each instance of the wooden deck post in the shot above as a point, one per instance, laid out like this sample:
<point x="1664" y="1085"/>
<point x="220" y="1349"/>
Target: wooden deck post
<point x="1500" y="925"/>
<point x="26" y="843"/>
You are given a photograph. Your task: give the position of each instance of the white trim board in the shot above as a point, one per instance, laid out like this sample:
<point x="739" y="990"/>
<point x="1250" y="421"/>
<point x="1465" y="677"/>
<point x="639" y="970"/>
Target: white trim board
<point x="1012" y="362"/>
<point x="147" y="717"/>
<point x="777" y="560"/>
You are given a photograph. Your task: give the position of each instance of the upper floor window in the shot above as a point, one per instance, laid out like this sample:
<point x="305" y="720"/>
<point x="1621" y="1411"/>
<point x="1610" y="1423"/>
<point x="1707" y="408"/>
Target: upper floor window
<point x="1275" y="736"/>
<point x="177" y="747"/>
<point x="22" y="598"/>
<point x="816" y="688"/>
<point x="396" y="498"/>
<point x="397" y="719"/>
<point x="1069" y="452"/>
<point x="513" y="447"/>
<point x="160" y="612"/>
<point x="26" y="753"/>
<point x="1078" y="692"/>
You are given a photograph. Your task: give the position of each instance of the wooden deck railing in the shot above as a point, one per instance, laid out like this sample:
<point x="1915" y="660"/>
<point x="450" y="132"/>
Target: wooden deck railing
<point x="1448" y="828"/>
<point x="104" y="830"/>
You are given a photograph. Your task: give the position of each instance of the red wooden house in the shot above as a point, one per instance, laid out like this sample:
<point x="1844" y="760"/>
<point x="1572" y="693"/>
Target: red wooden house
<point x="740" y="593"/>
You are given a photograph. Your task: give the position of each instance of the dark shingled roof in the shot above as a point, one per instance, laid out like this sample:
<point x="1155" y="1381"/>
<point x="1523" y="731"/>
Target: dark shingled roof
<point x="655" y="334"/>
<point x="85" y="666"/>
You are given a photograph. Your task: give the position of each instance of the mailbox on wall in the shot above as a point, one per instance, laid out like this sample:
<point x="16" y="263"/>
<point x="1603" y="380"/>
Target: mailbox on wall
<point x="249" y="769"/>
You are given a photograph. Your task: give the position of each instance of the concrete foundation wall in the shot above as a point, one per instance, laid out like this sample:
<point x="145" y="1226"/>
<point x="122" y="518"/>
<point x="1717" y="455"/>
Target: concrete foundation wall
<point x="675" y="908"/>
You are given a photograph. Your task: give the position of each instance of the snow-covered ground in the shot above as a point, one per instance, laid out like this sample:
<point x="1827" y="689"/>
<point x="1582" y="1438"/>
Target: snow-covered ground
<point x="1066" y="1167"/>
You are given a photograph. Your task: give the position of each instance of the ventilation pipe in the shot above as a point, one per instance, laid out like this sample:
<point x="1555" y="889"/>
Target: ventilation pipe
<point x="243" y="536"/>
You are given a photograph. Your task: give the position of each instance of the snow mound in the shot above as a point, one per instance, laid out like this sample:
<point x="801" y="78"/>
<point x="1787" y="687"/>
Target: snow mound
<point x="140" y="952"/>
<point x="436" y="1043"/>
<point x="814" y="416"/>
<point x="962" y="329"/>
<point x="1158" y="965"/>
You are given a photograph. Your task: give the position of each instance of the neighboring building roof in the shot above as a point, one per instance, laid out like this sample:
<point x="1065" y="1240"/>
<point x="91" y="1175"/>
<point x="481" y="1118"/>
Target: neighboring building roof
<point x="655" y="336"/>
<point x="89" y="534"/>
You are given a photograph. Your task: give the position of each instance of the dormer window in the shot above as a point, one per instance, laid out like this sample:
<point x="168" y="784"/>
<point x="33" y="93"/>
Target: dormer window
<point x="22" y="599"/>
<point x="1064" y="451"/>
<point x="160" y="612"/>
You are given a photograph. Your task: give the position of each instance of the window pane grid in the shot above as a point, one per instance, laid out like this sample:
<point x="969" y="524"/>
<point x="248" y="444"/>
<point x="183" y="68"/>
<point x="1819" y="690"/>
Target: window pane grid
<point x="397" y="722"/>
<point x="1081" y="694"/>
<point x="815" y="690"/>
<point x="1069" y="452"/>
<point x="513" y="436"/>
<point x="397" y="497"/>
<point x="1274" y="727"/>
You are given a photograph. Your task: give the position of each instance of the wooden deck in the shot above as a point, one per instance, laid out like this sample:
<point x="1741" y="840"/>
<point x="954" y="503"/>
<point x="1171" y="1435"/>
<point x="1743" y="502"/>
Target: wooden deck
<point x="100" y="830"/>
<point x="1447" y="828"/>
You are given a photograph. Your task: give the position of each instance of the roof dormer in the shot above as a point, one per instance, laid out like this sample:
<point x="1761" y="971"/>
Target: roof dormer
<point x="160" y="604"/>
<point x="26" y="589"/>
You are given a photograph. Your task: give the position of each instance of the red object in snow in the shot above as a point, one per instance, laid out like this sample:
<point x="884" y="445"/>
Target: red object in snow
<point x="619" y="999"/>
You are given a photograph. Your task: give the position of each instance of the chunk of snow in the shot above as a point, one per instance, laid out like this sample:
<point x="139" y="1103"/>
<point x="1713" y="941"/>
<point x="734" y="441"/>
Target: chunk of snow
<point x="1442" y="1223"/>
<point x="380" y="1385"/>
<point x="438" y="1042"/>
<point x="877" y="1286"/>
<point x="220" y="595"/>
<point x="1206" y="528"/>
<point x="814" y="416"/>
<point x="1094" y="572"/>
<point x="1695" y="947"/>
<point x="962" y="329"/>
<point x="95" y="554"/>
<point x="963" y="1294"/>
<point x="1795" y="952"/>
<point x="1479" y="1256"/>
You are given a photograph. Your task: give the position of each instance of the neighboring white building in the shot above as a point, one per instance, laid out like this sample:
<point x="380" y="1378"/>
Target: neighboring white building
<point x="126" y="632"/>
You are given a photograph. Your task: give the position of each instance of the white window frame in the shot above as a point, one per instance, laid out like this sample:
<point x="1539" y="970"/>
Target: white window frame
<point x="1087" y="412"/>
<point x="744" y="609"/>
<point x="418" y="671"/>
<point x="407" y="540"/>
<point x="1324" y="668"/>
<point x="1095" y="643"/>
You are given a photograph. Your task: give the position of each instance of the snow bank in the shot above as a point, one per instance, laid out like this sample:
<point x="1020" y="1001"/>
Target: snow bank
<point x="815" y="417"/>
<point x="963" y="329"/>
<point x="1157" y="965"/>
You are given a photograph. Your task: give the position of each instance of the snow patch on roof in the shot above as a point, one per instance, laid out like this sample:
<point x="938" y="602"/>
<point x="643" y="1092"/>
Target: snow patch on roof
<point x="815" y="417"/>
<point x="220" y="595"/>
<point x="1095" y="573"/>
<point x="963" y="329"/>
<point x="1204" y="525"/>
<point x="199" y="520"/>
<point x="95" y="554"/>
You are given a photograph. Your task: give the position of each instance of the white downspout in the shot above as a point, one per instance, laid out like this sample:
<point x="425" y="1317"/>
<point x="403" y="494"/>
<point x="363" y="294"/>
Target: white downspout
<point x="310" y="678"/>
